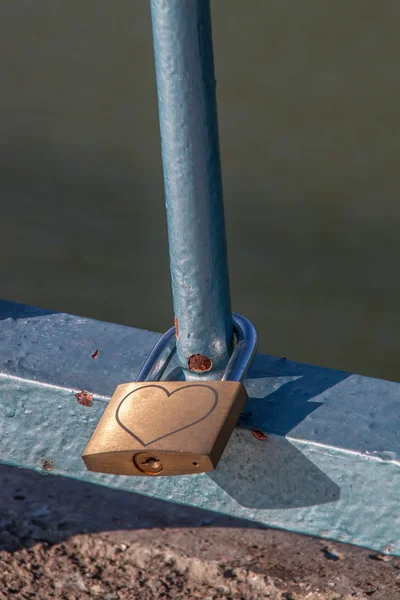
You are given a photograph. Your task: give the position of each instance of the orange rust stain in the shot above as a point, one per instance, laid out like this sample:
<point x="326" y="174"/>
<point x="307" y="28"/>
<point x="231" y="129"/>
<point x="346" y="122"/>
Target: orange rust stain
<point x="47" y="465"/>
<point x="199" y="363"/>
<point x="259" y="435"/>
<point x="176" y="328"/>
<point x="84" y="398"/>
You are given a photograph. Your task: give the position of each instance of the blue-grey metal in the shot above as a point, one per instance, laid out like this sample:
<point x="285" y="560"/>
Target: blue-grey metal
<point x="330" y="465"/>
<point x="236" y="369"/>
<point x="159" y="358"/>
<point x="244" y="351"/>
<point x="192" y="179"/>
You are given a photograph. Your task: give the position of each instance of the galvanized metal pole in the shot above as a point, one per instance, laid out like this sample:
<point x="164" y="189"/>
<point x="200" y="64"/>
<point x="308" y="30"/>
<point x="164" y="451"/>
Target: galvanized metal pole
<point x="192" y="179"/>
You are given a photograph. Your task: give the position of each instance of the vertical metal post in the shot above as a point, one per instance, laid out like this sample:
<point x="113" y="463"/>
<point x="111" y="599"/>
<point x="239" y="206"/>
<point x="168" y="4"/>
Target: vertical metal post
<point x="192" y="179"/>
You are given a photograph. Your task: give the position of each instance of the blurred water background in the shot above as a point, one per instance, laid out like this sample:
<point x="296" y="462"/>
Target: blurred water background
<point x="309" y="114"/>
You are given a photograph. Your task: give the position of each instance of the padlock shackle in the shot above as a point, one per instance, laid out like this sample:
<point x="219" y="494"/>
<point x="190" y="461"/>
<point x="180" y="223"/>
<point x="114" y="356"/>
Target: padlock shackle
<point x="236" y="369"/>
<point x="159" y="358"/>
<point x="244" y="350"/>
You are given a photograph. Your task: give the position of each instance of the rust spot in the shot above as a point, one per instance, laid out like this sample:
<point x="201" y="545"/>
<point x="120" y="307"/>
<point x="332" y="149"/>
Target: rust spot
<point x="85" y="398"/>
<point x="95" y="354"/>
<point x="176" y="328"/>
<point x="199" y="363"/>
<point x="46" y="464"/>
<point x="259" y="435"/>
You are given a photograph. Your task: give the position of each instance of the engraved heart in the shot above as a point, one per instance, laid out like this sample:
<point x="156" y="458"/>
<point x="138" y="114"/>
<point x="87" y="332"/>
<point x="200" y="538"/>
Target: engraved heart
<point x="151" y="412"/>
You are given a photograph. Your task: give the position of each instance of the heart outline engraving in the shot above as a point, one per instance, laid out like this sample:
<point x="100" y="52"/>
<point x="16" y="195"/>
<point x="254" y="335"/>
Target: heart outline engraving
<point x="169" y="394"/>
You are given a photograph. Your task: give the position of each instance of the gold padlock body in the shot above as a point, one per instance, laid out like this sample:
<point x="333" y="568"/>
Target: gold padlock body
<point x="165" y="428"/>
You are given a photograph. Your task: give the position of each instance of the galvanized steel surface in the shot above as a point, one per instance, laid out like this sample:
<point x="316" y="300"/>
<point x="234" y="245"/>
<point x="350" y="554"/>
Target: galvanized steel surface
<point x="192" y="180"/>
<point x="236" y="369"/>
<point x="329" y="466"/>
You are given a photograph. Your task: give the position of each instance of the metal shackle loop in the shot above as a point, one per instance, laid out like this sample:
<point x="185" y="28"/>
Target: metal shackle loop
<point x="244" y="351"/>
<point x="236" y="369"/>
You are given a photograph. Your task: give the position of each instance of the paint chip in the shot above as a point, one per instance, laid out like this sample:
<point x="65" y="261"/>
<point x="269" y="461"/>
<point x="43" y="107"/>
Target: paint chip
<point x="259" y="435"/>
<point x="84" y="398"/>
<point x="46" y="464"/>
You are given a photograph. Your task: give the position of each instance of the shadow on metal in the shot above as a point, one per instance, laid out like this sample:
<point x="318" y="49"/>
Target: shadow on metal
<point x="12" y="310"/>
<point x="272" y="474"/>
<point x="285" y="407"/>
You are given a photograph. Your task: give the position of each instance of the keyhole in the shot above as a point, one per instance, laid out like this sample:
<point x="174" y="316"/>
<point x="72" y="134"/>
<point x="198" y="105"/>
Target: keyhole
<point x="151" y="462"/>
<point x="148" y="464"/>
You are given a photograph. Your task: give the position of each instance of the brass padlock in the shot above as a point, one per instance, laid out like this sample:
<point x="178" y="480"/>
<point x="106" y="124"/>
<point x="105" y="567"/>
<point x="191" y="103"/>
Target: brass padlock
<point x="153" y="427"/>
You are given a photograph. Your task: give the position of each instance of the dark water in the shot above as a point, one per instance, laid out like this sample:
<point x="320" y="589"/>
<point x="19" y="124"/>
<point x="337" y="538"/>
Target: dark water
<point x="309" y="105"/>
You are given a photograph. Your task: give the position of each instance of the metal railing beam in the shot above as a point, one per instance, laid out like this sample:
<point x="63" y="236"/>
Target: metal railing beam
<point x="316" y="451"/>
